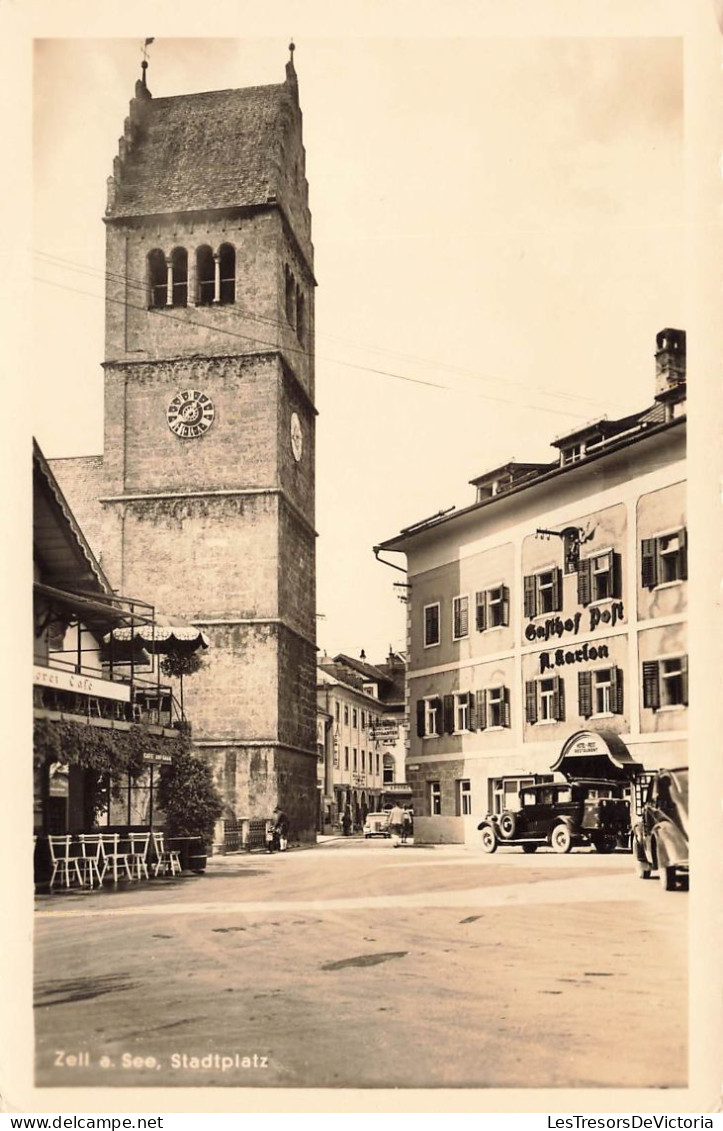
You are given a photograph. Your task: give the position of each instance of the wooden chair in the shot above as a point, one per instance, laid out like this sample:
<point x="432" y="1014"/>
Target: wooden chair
<point x="64" y="863"/>
<point x="115" y="859"/>
<point x="91" y="862"/>
<point x="168" y="860"/>
<point x="138" y="853"/>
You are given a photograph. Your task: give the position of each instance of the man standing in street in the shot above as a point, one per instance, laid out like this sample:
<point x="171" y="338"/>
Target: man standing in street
<point x="281" y="828"/>
<point x="396" y="825"/>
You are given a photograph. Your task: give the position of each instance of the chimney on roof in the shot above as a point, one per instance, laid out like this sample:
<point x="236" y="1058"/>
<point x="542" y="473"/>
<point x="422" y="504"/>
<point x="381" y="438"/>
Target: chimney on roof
<point x="670" y="367"/>
<point x="362" y="655"/>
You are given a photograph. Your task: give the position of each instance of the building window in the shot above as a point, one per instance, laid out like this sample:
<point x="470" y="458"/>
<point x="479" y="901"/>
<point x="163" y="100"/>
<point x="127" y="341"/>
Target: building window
<point x="431" y="625"/>
<point x="227" y="273"/>
<point x="205" y="275"/>
<point x="599" y="577"/>
<point x="545" y="700"/>
<point x="363" y="760"/>
<point x="600" y="692"/>
<point x="346" y="714"/>
<point x="354" y="759"/>
<point x="497" y="707"/>
<point x="388" y="768"/>
<point x="460" y="618"/>
<point x="492" y="608"/>
<point x="354" y="716"/>
<point x="346" y="757"/>
<point x="664" y="559"/>
<point x="157" y="279"/>
<point x="543" y="592"/>
<point x="290" y="291"/>
<point x="572" y="454"/>
<point x="429" y="717"/>
<point x="179" y="274"/>
<point x="665" y="682"/>
<point x="337" y="710"/>
<point x="435" y="798"/>
<point x="363" y="719"/>
<point x="462" y="712"/>
<point x="464" y="798"/>
<point x="371" y="689"/>
<point x="377" y="765"/>
<point x="300" y="316"/>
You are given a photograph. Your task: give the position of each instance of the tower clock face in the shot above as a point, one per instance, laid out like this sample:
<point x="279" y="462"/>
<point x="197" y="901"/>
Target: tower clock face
<point x="297" y="437"/>
<point x="190" y="414"/>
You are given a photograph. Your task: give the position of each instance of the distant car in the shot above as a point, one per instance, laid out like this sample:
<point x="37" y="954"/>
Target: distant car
<point x="660" y="838"/>
<point x="562" y="815"/>
<point x="377" y="824"/>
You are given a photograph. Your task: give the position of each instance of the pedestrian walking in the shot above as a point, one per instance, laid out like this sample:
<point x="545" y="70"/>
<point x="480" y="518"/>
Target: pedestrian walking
<point x="406" y="826"/>
<point x="281" y="828"/>
<point x="346" y="822"/>
<point x="396" y="825"/>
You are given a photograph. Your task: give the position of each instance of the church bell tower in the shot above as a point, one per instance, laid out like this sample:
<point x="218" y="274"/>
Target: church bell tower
<point x="209" y="419"/>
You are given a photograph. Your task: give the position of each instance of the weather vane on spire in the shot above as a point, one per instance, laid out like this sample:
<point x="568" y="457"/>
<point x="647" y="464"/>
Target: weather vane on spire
<point x="144" y="64"/>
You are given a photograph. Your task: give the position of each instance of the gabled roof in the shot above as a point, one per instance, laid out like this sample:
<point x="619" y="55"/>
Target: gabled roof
<point x="370" y="672"/>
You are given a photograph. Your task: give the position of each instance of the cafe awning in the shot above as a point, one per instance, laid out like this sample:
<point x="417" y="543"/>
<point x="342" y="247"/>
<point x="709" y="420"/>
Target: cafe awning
<point x="596" y="754"/>
<point x="167" y="634"/>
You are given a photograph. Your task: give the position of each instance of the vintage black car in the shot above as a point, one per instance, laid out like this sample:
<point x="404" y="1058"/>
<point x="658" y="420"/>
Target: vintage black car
<point x="660" y="838"/>
<point x="562" y="815"/>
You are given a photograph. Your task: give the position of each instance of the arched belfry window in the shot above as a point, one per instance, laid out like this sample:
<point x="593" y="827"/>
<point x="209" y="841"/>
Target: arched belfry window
<point x="157" y="278"/>
<point x="205" y="275"/>
<point x="300" y="316"/>
<point x="179" y="265"/>
<point x="227" y="271"/>
<point x="290" y="298"/>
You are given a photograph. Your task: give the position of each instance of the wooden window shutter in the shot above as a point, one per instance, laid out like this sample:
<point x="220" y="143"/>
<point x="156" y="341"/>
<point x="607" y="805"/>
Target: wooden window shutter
<point x="584" y="583"/>
<point x="440" y="714"/>
<point x="449" y="714"/>
<point x="481" y="709"/>
<point x="617" y="574"/>
<point x="558" y="701"/>
<point x="651" y="684"/>
<point x="684" y="678"/>
<point x="616" y="691"/>
<point x="506" y="717"/>
<point x="530" y="596"/>
<point x="420" y="718"/>
<point x="471" y="711"/>
<point x="531" y="701"/>
<point x="480" y="612"/>
<point x="649" y="559"/>
<point x="683" y="555"/>
<point x="505" y="604"/>
<point x="584" y="691"/>
<point x="557" y="587"/>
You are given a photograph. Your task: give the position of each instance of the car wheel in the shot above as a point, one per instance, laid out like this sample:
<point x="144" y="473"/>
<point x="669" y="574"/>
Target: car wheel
<point x="507" y="824"/>
<point x="560" y="839"/>
<point x="488" y="839"/>
<point x="668" y="878"/>
<point x="529" y="848"/>
<point x="604" y="844"/>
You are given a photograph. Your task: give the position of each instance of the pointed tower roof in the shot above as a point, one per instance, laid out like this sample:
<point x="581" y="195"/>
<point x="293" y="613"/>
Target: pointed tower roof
<point x="222" y="149"/>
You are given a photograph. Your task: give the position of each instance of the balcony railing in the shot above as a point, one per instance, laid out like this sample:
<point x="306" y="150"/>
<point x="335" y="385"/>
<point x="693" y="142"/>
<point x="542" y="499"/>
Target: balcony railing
<point x="67" y="688"/>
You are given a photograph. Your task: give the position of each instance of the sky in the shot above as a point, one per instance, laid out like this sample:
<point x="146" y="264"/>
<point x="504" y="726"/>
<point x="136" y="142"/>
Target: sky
<point x="498" y="232"/>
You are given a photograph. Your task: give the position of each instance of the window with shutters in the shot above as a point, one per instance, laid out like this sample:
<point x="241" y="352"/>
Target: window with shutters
<point x="498" y="707"/>
<point x="545" y="700"/>
<point x="429" y="717"/>
<point x="464" y="798"/>
<point x="492" y="608"/>
<point x="665" y="682"/>
<point x="431" y="625"/>
<point x="664" y="559"/>
<point x="599" y="577"/>
<point x="460" y="617"/>
<point x="543" y="592"/>
<point x="600" y="692"/>
<point x="435" y="798"/>
<point x="463" y="708"/>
